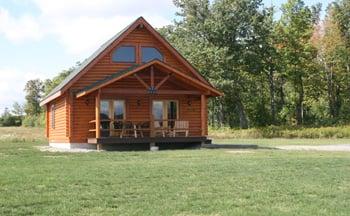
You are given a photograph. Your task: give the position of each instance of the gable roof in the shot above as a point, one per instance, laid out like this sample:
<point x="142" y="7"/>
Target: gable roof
<point x="136" y="68"/>
<point x="106" y="47"/>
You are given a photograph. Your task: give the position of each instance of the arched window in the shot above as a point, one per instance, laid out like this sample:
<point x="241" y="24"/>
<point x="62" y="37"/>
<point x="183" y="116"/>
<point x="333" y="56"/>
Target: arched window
<point x="124" y="54"/>
<point x="150" y="53"/>
<point x="53" y="116"/>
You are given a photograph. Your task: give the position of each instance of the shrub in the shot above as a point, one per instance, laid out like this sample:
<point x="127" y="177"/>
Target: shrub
<point x="34" y="121"/>
<point x="282" y="132"/>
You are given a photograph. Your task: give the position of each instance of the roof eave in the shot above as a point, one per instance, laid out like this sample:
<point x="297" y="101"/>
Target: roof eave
<point x="50" y="98"/>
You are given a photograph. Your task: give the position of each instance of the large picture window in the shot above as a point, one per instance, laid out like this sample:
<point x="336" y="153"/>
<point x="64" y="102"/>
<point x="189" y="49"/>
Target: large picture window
<point x="150" y="53"/>
<point x="124" y="54"/>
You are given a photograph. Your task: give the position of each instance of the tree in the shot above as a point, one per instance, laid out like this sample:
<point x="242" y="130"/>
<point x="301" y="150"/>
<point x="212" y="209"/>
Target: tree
<point x="34" y="91"/>
<point x="17" y="109"/>
<point x="295" y="30"/>
<point x="7" y="119"/>
<point x="224" y="40"/>
<point x="50" y="84"/>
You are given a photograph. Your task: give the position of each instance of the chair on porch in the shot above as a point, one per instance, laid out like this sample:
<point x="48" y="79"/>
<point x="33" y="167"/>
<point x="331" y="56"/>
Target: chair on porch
<point x="128" y="130"/>
<point x="159" y="129"/>
<point x="180" y="127"/>
<point x="142" y="129"/>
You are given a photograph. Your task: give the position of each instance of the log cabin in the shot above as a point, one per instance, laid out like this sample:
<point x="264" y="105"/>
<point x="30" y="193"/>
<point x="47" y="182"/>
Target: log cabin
<point x="135" y="92"/>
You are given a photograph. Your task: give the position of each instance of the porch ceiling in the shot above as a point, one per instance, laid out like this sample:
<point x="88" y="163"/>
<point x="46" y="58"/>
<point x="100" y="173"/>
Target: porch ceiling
<point x="172" y="72"/>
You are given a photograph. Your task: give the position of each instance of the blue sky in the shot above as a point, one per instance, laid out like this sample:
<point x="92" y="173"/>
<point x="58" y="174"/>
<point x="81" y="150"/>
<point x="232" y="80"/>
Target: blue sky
<point x="39" y="38"/>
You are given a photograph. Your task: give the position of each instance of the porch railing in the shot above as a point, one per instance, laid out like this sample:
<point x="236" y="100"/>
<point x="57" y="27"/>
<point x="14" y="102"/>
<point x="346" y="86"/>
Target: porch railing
<point x="143" y="128"/>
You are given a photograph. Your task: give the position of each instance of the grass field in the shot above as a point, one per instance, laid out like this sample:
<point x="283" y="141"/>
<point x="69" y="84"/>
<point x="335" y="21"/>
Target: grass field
<point x="280" y="141"/>
<point x="182" y="182"/>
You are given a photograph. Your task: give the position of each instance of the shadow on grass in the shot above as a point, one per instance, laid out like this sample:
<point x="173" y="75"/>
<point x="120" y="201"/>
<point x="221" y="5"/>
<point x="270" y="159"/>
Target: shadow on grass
<point x="236" y="146"/>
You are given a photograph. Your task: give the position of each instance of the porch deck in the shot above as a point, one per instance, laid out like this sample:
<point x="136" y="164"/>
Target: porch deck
<point x="136" y="134"/>
<point x="145" y="143"/>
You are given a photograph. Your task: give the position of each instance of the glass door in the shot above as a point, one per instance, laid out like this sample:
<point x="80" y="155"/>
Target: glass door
<point x="164" y="112"/>
<point x="112" y="114"/>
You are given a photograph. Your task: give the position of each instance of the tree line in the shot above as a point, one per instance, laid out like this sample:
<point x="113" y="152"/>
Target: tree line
<point x="293" y="69"/>
<point x="290" y="70"/>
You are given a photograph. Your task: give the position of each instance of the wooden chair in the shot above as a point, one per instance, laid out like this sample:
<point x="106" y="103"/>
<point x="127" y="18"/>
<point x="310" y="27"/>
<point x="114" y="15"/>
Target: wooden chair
<point x="159" y="129"/>
<point x="180" y="127"/>
<point x="142" y="128"/>
<point x="129" y="130"/>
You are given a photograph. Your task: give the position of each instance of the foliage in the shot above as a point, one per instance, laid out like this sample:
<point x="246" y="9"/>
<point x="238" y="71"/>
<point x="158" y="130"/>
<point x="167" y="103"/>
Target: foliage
<point x="31" y="114"/>
<point x="34" y="121"/>
<point x="50" y="84"/>
<point x="282" y="132"/>
<point x="7" y="119"/>
<point x="290" y="71"/>
<point x="34" y="90"/>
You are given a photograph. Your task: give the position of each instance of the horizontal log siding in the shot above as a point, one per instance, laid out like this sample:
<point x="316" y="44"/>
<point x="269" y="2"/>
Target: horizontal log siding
<point x="59" y="133"/>
<point x="83" y="112"/>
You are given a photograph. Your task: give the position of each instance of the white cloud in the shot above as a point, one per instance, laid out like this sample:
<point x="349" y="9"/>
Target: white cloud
<point x="19" y="29"/>
<point x="79" y="25"/>
<point x="12" y="84"/>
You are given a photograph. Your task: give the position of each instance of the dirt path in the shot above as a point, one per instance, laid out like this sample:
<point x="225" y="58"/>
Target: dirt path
<point x="343" y="147"/>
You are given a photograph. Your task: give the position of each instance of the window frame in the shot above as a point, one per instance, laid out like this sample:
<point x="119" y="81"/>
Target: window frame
<point x="124" y="62"/>
<point x="165" y="108"/>
<point x="150" y="46"/>
<point x="111" y="108"/>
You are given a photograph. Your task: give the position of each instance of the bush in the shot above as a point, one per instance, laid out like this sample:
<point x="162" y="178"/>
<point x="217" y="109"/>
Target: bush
<point x="34" y="121"/>
<point x="282" y="132"/>
<point x="10" y="120"/>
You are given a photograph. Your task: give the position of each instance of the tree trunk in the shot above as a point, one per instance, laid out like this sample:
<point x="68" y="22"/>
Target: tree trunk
<point x="331" y="99"/>
<point x="243" y="120"/>
<point x="300" y="101"/>
<point x="272" y="96"/>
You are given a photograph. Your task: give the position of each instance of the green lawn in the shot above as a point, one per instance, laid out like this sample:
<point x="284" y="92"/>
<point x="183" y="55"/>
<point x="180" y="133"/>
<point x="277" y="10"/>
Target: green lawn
<point x="281" y="141"/>
<point x="183" y="182"/>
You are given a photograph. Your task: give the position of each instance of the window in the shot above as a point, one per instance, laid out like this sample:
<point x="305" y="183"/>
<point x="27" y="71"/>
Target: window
<point x="53" y="116"/>
<point x="112" y="109"/>
<point x="165" y="109"/>
<point x="119" y="109"/>
<point x="104" y="109"/>
<point x="110" y="112"/>
<point x="124" y="54"/>
<point x="150" y="53"/>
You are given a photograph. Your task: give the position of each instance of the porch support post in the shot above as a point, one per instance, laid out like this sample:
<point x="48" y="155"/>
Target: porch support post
<point x="97" y="116"/>
<point x="203" y="114"/>
<point x="47" y="121"/>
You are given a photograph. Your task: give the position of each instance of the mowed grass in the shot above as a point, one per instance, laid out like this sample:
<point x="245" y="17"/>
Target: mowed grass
<point x="182" y="182"/>
<point x="263" y="142"/>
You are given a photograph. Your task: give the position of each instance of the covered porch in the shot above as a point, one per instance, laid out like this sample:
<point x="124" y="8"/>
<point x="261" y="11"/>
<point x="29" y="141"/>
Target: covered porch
<point x="152" y="104"/>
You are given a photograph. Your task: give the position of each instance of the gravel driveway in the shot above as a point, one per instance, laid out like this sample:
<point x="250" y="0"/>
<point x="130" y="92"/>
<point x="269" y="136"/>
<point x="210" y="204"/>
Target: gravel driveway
<point x="343" y="147"/>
